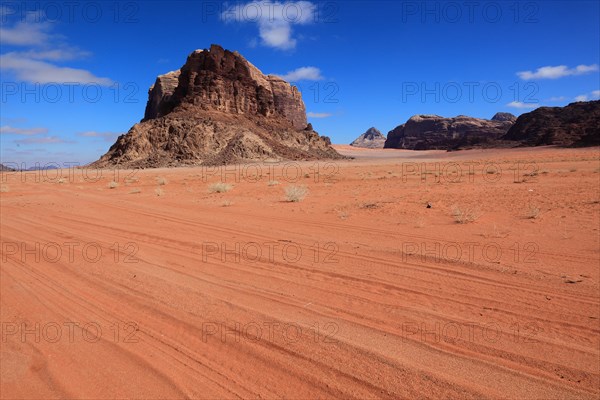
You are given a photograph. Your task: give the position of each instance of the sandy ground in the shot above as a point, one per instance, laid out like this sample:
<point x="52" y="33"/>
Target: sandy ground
<point x="158" y="288"/>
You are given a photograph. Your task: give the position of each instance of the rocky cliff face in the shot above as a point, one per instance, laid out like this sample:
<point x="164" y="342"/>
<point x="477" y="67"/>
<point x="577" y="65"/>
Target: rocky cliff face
<point x="159" y="95"/>
<point x="218" y="109"/>
<point x="577" y="124"/>
<point x="372" y="139"/>
<point x="432" y="132"/>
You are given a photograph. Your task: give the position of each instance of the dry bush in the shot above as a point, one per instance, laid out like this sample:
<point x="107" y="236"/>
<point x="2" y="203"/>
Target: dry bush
<point x="159" y="192"/>
<point x="532" y="212"/>
<point x="113" y="185"/>
<point x="219" y="187"/>
<point x="295" y="193"/>
<point x="465" y="215"/>
<point x="161" y="181"/>
<point x="4" y="189"/>
<point x="273" y="183"/>
<point x="135" y="191"/>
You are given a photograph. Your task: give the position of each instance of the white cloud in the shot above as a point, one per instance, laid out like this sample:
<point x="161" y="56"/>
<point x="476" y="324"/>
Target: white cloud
<point x="318" y="115"/>
<point x="35" y="71"/>
<point x="9" y="130"/>
<point x="108" y="136"/>
<point x="556" y="98"/>
<point x="42" y="140"/>
<point x="62" y="54"/>
<point x="556" y="72"/>
<point x="303" y="74"/>
<point x="25" y="34"/>
<point x="274" y="19"/>
<point x="37" y="64"/>
<point x="518" y="104"/>
<point x="594" y="94"/>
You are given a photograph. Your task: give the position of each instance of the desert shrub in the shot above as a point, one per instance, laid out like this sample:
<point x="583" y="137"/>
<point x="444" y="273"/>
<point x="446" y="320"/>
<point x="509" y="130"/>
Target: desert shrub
<point x="113" y="185"/>
<point x="532" y="212"/>
<point x="295" y="193"/>
<point x="219" y="187"/>
<point x="465" y="215"/>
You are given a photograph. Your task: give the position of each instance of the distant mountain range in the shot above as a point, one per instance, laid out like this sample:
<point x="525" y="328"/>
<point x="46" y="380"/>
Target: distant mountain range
<point x="577" y="124"/>
<point x="4" y="168"/>
<point x="432" y="132"/>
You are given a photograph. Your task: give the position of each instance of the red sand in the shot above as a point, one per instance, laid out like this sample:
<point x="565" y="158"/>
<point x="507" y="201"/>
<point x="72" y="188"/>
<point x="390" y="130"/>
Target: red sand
<point x="357" y="291"/>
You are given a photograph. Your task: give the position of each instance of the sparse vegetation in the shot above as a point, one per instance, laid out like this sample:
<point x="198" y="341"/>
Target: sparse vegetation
<point x="161" y="181"/>
<point x="113" y="185"/>
<point x="159" y="192"/>
<point x="465" y="215"/>
<point x="369" y="206"/>
<point x="226" y="203"/>
<point x="273" y="183"/>
<point x="342" y="213"/>
<point x="529" y="176"/>
<point x="61" y="180"/>
<point x="135" y="191"/>
<point x="532" y="212"/>
<point x="219" y="187"/>
<point x="4" y="189"/>
<point x="295" y="193"/>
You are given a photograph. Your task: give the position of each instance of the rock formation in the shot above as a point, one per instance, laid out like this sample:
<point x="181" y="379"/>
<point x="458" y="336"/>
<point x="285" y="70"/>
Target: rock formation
<point x="504" y="116"/>
<point x="218" y="109"/>
<point x="577" y="124"/>
<point x="432" y="132"/>
<point x="372" y="139"/>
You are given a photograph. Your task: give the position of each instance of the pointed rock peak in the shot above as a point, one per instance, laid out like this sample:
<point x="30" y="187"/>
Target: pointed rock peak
<point x="372" y="138"/>
<point x="374" y="132"/>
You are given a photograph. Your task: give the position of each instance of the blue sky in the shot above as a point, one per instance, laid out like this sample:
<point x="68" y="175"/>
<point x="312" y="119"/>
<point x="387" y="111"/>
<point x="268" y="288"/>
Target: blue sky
<point x="75" y="74"/>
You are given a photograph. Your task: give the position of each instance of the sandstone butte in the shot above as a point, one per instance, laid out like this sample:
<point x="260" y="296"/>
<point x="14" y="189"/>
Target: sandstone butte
<point x="218" y="109"/>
